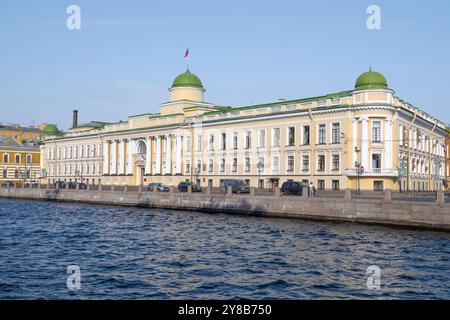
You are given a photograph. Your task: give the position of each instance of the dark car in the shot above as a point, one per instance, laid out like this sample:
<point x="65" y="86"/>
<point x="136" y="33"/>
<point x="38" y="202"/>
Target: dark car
<point x="292" y="187"/>
<point x="60" y="185"/>
<point x="237" y="186"/>
<point x="159" y="186"/>
<point x="183" y="187"/>
<point x="82" y="186"/>
<point x="8" y="184"/>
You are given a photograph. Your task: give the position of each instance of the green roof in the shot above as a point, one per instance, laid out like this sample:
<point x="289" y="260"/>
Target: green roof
<point x="187" y="79"/>
<point x="371" y="80"/>
<point x="93" y="124"/>
<point x="50" y="130"/>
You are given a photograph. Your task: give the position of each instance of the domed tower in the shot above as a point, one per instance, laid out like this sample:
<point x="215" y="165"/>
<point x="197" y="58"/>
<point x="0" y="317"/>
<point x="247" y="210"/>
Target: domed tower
<point x="187" y="86"/>
<point x="371" y="80"/>
<point x="50" y="130"/>
<point x="186" y="97"/>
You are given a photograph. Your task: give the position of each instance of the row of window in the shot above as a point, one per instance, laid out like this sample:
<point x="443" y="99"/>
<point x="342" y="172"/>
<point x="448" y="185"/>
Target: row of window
<point x="260" y="166"/>
<point x="77" y="170"/>
<point x="18" y="174"/>
<point x="418" y="140"/>
<point x="77" y="152"/>
<point x="17" y="158"/>
<point x="275" y="138"/>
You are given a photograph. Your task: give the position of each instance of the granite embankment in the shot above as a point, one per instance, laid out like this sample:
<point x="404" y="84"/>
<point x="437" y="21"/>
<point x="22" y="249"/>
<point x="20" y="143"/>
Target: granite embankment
<point x="422" y="215"/>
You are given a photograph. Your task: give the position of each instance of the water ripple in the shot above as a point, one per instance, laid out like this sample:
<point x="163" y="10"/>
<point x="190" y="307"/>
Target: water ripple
<point x="134" y="253"/>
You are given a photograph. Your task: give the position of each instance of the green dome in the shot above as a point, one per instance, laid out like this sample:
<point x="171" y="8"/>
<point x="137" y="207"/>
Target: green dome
<point x="371" y="80"/>
<point x="187" y="79"/>
<point x="50" y="130"/>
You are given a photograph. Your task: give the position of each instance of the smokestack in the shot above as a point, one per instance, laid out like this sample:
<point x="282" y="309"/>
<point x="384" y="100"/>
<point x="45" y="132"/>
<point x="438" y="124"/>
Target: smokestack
<point x="75" y="119"/>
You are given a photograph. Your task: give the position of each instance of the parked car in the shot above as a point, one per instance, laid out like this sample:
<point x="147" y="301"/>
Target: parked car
<point x="31" y="184"/>
<point x="60" y="185"/>
<point x="82" y="186"/>
<point x="8" y="184"/>
<point x="159" y="186"/>
<point x="183" y="187"/>
<point x="237" y="186"/>
<point x="293" y="187"/>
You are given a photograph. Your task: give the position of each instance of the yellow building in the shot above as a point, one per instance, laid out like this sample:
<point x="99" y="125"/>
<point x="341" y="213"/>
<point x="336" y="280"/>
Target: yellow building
<point x="19" y="162"/>
<point x="364" y="138"/>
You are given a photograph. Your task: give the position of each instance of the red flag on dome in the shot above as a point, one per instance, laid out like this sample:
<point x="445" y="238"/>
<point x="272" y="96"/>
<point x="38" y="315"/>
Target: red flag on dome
<point x="186" y="54"/>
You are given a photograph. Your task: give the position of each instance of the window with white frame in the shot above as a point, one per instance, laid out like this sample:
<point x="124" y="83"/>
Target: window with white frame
<point x="199" y="143"/>
<point x="234" y="165"/>
<point x="275" y="137"/>
<point x="262" y="138"/>
<point x="211" y="142"/>
<point x="275" y="164"/>
<point x="188" y="144"/>
<point x="335" y="162"/>
<point x="291" y="136"/>
<point x="290" y="163"/>
<point x="210" y="165"/>
<point x="222" y="165"/>
<point x="248" y="139"/>
<point x="322" y="136"/>
<point x="187" y="167"/>
<point x="235" y="140"/>
<point x="223" y="141"/>
<point x="306" y="135"/>
<point x="336" y="133"/>
<point x="321" y="162"/>
<point x="305" y="162"/>
<point x="247" y="164"/>
<point x="260" y="165"/>
<point x="376" y="131"/>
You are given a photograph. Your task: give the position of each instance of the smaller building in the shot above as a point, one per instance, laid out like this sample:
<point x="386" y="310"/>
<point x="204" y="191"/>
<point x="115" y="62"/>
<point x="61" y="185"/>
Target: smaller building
<point x="19" y="162"/>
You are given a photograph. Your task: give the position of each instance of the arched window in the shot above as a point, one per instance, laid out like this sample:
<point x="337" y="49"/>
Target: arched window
<point x="141" y="148"/>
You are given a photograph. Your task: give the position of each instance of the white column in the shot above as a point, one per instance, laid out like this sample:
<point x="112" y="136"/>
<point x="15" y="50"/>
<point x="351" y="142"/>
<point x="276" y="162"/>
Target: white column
<point x="178" y="155"/>
<point x="365" y="143"/>
<point x="122" y="157"/>
<point x="148" y="157"/>
<point x="355" y="141"/>
<point x="388" y="144"/>
<point x="130" y="151"/>
<point x="168" y="154"/>
<point x="158" y="156"/>
<point x="106" y="157"/>
<point x="113" y="169"/>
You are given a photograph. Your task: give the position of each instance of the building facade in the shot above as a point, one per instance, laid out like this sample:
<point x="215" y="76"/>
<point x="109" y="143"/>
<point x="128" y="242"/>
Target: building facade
<point x="447" y="159"/>
<point x="19" y="162"/>
<point x="364" y="138"/>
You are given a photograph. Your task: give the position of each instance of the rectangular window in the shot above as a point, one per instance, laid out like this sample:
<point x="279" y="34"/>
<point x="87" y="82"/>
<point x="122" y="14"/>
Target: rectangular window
<point x="188" y="143"/>
<point x="223" y="142"/>
<point x="247" y="164"/>
<point x="199" y="143"/>
<point x="321" y="162"/>
<point x="321" y="184"/>
<point x="222" y="165"/>
<point x="248" y="140"/>
<point x="235" y="140"/>
<point x="376" y="131"/>
<point x="376" y="162"/>
<point x="5" y="173"/>
<point x="275" y="164"/>
<point x="260" y="165"/>
<point x="211" y="165"/>
<point x="275" y="137"/>
<point x="29" y="159"/>
<point x="234" y="168"/>
<point x="378" y="186"/>
<point x="290" y="163"/>
<point x="335" y="184"/>
<point x="5" y="158"/>
<point x="198" y="168"/>
<point x="262" y="139"/>
<point x="322" y="134"/>
<point x="211" y="142"/>
<point x="17" y="158"/>
<point x="306" y="135"/>
<point x="336" y="133"/>
<point x="291" y="136"/>
<point x="335" y="162"/>
<point x="305" y="163"/>
<point x="187" y="167"/>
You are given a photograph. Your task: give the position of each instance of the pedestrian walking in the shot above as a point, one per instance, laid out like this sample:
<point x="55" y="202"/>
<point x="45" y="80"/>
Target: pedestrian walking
<point x="311" y="190"/>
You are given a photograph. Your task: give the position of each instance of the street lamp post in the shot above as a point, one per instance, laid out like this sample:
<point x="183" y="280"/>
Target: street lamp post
<point x="259" y="167"/>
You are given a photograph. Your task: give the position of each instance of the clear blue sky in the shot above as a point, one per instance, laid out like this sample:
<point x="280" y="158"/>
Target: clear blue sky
<point x="128" y="52"/>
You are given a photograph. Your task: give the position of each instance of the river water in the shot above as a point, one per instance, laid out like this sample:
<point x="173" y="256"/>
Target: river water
<point x="134" y="253"/>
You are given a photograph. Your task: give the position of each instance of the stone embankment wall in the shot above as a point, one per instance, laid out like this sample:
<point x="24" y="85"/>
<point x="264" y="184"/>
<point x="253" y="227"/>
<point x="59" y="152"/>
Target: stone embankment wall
<point x="424" y="215"/>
